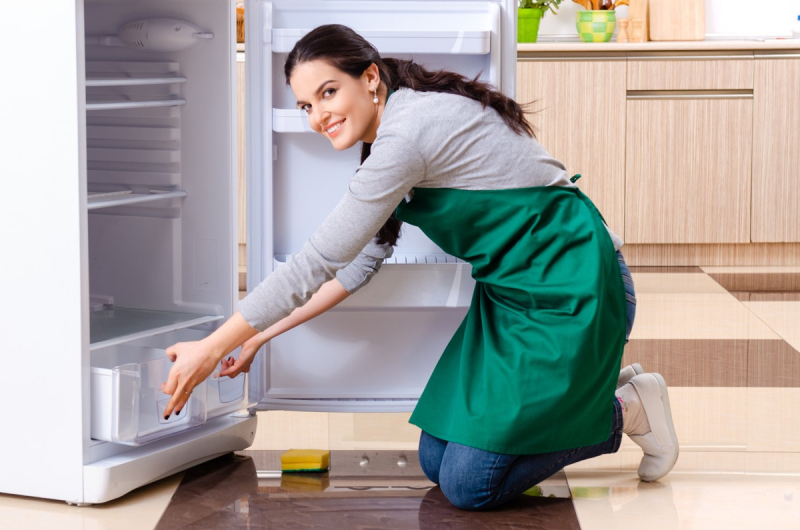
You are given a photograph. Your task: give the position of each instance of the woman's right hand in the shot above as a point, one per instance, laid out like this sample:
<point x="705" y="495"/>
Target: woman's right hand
<point x="232" y="367"/>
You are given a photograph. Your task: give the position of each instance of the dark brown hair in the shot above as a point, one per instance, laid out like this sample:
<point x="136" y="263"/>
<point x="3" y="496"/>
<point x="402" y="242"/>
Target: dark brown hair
<point x="346" y="50"/>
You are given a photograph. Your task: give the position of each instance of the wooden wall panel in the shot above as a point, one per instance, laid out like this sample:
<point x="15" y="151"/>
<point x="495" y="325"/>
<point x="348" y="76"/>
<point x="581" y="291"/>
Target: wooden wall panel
<point x="776" y="151"/>
<point x="581" y="122"/>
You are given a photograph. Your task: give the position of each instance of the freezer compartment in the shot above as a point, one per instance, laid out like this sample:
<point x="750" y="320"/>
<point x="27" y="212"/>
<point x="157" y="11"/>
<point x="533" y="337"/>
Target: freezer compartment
<point x="128" y="405"/>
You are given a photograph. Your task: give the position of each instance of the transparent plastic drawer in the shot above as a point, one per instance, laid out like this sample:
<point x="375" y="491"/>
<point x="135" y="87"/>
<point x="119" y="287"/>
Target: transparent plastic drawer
<point x="128" y="405"/>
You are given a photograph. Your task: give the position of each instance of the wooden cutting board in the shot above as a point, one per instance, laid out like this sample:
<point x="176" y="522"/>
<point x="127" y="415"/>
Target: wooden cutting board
<point x="677" y="20"/>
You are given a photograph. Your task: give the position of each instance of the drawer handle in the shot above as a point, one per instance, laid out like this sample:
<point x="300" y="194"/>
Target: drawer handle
<point x="688" y="57"/>
<point x="689" y="94"/>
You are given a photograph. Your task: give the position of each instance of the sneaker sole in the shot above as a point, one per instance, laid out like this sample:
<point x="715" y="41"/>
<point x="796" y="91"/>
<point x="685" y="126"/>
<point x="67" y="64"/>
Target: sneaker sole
<point x="670" y="426"/>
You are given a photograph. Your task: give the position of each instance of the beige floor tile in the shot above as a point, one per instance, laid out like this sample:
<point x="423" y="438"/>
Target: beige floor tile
<point x="700" y="319"/>
<point x="781" y="317"/>
<point x="676" y="283"/>
<point x="685" y="501"/>
<point x="282" y="430"/>
<point x="772" y="419"/>
<point x="706" y="419"/>
<point x="373" y="431"/>
<point x="773" y="463"/>
<point x="710" y="419"/>
<point x="138" y="510"/>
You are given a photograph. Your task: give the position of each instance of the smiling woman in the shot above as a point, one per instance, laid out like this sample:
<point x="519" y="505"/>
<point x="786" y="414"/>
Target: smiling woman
<point x="527" y="384"/>
<point x="344" y="108"/>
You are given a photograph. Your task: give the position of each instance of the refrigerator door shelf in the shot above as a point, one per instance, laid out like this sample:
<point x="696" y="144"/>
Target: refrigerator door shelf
<point x="408" y="282"/>
<point x="408" y="41"/>
<point x="290" y="121"/>
<point x="338" y="405"/>
<point x="128" y="404"/>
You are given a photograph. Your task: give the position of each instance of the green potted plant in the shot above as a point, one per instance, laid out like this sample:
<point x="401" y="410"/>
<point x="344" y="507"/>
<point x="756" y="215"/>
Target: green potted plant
<point x="597" y="23"/>
<point x="529" y="15"/>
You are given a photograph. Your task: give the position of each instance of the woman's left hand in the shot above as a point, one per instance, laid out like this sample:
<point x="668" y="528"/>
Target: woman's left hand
<point x="194" y="362"/>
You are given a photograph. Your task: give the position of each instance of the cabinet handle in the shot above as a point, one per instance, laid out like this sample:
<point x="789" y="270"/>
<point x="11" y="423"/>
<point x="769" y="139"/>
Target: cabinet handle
<point x="778" y="56"/>
<point x="688" y="57"/>
<point x="571" y="59"/>
<point x="685" y="94"/>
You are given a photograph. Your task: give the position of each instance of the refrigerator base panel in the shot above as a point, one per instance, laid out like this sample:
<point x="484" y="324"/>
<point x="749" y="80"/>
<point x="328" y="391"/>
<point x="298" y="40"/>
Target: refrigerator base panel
<point x="113" y="477"/>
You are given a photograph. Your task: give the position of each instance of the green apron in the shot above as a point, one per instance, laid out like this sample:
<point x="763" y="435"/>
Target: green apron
<point x="533" y="366"/>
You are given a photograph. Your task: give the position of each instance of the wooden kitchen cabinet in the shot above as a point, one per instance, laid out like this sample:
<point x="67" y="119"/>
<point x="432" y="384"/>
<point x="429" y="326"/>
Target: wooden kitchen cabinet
<point x="776" y="149"/>
<point x="688" y="168"/>
<point x="580" y="120"/>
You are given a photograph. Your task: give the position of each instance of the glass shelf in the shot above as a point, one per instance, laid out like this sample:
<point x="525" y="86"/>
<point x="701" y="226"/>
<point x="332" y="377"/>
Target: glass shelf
<point x="126" y="197"/>
<point x="119" y="325"/>
<point x="113" y="105"/>
<point x="133" y="81"/>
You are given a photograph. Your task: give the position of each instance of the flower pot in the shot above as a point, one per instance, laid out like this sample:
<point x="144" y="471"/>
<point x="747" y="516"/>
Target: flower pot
<point x="596" y="26"/>
<point x="528" y="24"/>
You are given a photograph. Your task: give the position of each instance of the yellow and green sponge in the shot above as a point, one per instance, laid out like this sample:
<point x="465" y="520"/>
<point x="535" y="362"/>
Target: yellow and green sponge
<point x="305" y="461"/>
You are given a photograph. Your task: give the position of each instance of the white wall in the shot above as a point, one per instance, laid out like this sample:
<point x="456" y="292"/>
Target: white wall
<point x="723" y="17"/>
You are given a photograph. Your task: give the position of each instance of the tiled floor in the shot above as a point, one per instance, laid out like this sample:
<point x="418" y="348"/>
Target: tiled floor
<point x="728" y="343"/>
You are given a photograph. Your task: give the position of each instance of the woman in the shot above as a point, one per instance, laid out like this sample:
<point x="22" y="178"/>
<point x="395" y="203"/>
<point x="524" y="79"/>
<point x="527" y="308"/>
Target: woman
<point x="527" y="384"/>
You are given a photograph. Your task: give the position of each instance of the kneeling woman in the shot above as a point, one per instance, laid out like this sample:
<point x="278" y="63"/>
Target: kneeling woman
<point x="527" y="384"/>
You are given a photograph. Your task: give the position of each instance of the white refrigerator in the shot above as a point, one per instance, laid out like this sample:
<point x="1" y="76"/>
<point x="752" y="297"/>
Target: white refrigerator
<point x="118" y="230"/>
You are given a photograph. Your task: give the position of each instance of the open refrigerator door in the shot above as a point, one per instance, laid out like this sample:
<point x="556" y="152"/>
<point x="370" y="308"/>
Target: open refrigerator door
<point x="376" y="350"/>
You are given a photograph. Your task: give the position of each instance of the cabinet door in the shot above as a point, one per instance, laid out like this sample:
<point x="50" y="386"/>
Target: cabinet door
<point x="580" y="120"/>
<point x="776" y="150"/>
<point x="688" y="169"/>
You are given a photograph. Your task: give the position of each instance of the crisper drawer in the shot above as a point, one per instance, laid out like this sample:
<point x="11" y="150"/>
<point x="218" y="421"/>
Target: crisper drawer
<point x="127" y="402"/>
<point x="690" y="72"/>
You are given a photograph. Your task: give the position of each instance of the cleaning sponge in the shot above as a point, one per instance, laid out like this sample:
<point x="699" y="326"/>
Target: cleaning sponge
<point x="305" y="460"/>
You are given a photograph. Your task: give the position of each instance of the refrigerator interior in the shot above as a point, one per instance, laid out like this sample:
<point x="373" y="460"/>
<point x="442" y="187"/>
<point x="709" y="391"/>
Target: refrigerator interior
<point x="376" y="350"/>
<point x="161" y="214"/>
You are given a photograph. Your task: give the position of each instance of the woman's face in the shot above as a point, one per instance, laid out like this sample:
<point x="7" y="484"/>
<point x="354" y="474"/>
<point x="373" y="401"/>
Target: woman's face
<point x="339" y="107"/>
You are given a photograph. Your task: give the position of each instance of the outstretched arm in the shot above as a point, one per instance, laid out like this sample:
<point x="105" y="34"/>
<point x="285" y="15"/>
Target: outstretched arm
<point x="328" y="296"/>
<point x="195" y="361"/>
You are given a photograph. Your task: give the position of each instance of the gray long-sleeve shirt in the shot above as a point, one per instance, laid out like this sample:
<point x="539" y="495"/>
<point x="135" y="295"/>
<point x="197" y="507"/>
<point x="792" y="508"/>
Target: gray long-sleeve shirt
<point x="428" y="140"/>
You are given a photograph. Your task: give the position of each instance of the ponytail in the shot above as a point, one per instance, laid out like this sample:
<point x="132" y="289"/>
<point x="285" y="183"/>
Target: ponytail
<point x="408" y="74"/>
<point x="346" y="50"/>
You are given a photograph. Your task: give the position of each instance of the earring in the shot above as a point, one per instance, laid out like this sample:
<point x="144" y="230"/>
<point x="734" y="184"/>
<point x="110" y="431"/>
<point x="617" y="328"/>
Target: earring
<point x="375" y="99"/>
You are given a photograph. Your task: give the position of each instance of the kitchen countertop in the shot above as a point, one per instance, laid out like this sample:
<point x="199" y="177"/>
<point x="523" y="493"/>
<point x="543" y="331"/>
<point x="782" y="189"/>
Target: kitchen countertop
<point x="574" y="44"/>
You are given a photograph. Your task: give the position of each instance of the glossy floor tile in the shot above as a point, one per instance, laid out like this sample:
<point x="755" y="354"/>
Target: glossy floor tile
<point x="685" y="501"/>
<point x="228" y="493"/>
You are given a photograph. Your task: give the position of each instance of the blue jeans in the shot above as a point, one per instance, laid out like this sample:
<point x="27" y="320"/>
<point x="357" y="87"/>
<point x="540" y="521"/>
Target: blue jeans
<point x="474" y="479"/>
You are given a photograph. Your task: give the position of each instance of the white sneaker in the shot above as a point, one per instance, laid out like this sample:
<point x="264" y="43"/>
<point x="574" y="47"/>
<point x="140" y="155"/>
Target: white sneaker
<point x="660" y="445"/>
<point x="628" y="373"/>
